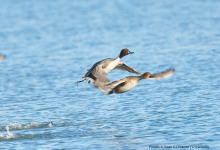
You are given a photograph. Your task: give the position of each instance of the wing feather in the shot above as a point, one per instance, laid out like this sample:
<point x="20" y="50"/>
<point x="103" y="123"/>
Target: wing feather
<point x="115" y="83"/>
<point x="162" y="75"/>
<point x="101" y="82"/>
<point x="124" y="67"/>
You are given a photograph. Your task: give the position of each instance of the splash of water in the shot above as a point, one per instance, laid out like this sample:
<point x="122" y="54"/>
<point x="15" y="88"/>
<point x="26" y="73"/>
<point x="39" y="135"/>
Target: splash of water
<point x="1" y="135"/>
<point x="27" y="126"/>
<point x="50" y="124"/>
<point x="10" y="135"/>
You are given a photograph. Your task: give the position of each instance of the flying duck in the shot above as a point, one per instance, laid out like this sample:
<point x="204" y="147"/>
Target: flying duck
<point x="98" y="72"/>
<point x="130" y="82"/>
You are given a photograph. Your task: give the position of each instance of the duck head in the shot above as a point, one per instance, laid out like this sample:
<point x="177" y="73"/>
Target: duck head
<point x="124" y="52"/>
<point x="145" y="75"/>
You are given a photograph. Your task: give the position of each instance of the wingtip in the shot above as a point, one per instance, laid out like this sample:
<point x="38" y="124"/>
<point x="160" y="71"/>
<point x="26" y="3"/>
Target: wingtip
<point x="171" y="69"/>
<point x="2" y="55"/>
<point x="170" y="72"/>
<point x="167" y="73"/>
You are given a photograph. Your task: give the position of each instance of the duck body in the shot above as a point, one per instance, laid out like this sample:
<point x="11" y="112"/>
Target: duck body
<point x="104" y="66"/>
<point x="98" y="73"/>
<point x="128" y="84"/>
<point x="124" y="85"/>
<point x="109" y="64"/>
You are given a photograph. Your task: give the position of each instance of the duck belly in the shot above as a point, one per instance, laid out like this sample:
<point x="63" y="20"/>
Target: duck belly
<point x="126" y="87"/>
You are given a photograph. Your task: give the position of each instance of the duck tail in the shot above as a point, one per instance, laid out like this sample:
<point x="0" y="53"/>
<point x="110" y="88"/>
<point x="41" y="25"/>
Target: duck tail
<point x="83" y="79"/>
<point x="109" y="92"/>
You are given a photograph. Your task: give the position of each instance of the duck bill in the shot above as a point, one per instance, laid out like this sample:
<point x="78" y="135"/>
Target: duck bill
<point x="130" y="52"/>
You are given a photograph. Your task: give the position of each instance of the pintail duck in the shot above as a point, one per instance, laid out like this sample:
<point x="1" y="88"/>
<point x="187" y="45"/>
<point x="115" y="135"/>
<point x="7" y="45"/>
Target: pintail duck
<point x="128" y="83"/>
<point x="2" y="57"/>
<point x="98" y="73"/>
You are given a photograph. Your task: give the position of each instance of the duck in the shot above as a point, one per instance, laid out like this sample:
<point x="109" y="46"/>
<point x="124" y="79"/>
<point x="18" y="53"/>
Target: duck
<point x="98" y="72"/>
<point x="126" y="84"/>
<point x="2" y="57"/>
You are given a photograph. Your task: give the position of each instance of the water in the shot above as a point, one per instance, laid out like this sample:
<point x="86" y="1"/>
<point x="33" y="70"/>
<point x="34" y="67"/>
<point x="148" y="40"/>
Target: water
<point x="50" y="44"/>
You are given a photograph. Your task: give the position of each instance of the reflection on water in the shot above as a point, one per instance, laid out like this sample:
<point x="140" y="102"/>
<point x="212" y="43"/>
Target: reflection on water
<point x="49" y="45"/>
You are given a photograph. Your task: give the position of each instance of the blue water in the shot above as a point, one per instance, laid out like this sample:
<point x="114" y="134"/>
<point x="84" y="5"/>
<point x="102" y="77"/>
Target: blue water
<point x="50" y="44"/>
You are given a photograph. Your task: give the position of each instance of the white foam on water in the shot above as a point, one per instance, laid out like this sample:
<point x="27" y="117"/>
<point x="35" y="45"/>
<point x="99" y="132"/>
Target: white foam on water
<point x="1" y="135"/>
<point x="9" y="136"/>
<point x="32" y="125"/>
<point x="27" y="126"/>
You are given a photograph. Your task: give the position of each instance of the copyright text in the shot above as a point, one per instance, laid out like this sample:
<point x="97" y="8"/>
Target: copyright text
<point x="179" y="146"/>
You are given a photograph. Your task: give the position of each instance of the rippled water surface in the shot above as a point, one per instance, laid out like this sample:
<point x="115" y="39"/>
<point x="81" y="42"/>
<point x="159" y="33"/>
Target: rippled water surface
<point x="50" y="44"/>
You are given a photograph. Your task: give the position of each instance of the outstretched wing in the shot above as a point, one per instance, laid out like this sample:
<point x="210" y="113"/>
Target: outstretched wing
<point x="124" y="67"/>
<point x="92" y="68"/>
<point x="162" y="75"/>
<point x="115" y="83"/>
<point x="101" y="82"/>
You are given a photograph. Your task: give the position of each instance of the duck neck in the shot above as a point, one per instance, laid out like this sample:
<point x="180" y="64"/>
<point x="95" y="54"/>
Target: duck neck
<point x="121" y="55"/>
<point x="118" y="58"/>
<point x="141" y="77"/>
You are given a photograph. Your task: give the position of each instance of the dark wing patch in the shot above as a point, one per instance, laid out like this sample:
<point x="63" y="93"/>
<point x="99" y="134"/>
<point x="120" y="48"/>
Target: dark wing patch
<point x="93" y="67"/>
<point x="115" y="83"/>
